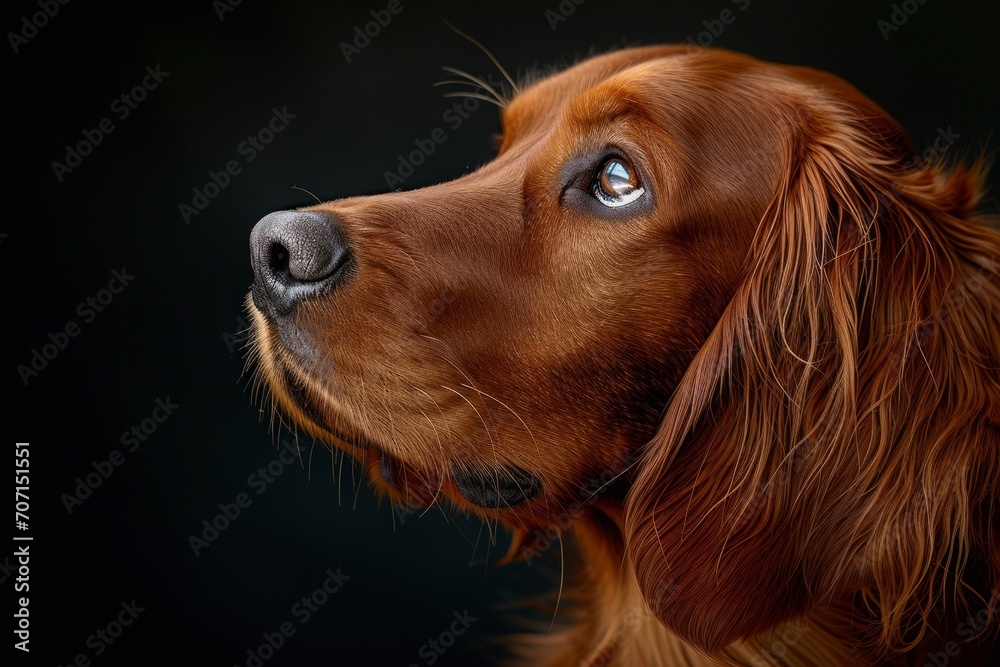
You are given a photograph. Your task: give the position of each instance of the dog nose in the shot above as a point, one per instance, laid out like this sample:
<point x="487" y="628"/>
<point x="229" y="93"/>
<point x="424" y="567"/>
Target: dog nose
<point x="295" y="254"/>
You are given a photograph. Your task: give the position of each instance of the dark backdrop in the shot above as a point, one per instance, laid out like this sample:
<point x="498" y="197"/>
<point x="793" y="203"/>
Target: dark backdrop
<point x="168" y="334"/>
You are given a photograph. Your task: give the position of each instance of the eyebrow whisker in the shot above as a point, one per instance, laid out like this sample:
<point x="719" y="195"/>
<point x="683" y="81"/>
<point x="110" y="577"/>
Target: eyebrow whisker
<point x="477" y="82"/>
<point x="514" y="87"/>
<point x="485" y="98"/>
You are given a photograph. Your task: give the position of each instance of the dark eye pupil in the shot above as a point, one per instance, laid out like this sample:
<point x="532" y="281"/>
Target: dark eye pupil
<point x="617" y="179"/>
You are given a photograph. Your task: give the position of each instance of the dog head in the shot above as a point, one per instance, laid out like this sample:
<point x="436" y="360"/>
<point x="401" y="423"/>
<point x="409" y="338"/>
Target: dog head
<point x="667" y="281"/>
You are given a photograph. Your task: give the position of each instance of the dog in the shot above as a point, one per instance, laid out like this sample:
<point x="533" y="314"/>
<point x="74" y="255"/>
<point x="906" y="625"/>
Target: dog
<point x="713" y="318"/>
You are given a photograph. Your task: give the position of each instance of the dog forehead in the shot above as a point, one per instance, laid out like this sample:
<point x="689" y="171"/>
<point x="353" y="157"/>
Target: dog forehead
<point x="540" y="104"/>
<point x="605" y="87"/>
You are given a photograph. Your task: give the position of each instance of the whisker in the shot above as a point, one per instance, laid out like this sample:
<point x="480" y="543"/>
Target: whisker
<point x="603" y="486"/>
<point x="318" y="200"/>
<point x="354" y="483"/>
<point x="479" y="82"/>
<point x="513" y="412"/>
<point x="298" y="451"/>
<point x="477" y="96"/>
<point x="312" y="448"/>
<point x="562" y="579"/>
<point x="475" y="548"/>
<point x="489" y="55"/>
<point x="457" y="82"/>
<point x="340" y="473"/>
<point x="476" y="410"/>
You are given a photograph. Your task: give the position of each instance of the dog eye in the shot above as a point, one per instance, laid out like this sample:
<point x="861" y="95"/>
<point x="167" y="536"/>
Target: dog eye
<point x="616" y="183"/>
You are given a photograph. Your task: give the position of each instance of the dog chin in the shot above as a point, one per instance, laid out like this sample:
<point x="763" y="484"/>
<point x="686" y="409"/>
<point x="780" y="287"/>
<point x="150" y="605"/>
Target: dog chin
<point x="291" y="360"/>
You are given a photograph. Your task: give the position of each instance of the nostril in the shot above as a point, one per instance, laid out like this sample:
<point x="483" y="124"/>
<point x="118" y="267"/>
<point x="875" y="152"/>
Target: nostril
<point x="278" y="258"/>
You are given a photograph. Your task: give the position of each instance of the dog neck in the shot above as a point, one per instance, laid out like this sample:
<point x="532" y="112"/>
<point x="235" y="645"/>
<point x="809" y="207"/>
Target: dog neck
<point x="614" y="627"/>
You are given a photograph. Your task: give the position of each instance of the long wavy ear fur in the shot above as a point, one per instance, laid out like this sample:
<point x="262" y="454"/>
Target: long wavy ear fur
<point x="836" y="437"/>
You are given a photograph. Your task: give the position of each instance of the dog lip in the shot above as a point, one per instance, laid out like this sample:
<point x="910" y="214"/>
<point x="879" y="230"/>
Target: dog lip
<point x="307" y="406"/>
<point x="301" y="400"/>
<point x="499" y="488"/>
<point x="385" y="469"/>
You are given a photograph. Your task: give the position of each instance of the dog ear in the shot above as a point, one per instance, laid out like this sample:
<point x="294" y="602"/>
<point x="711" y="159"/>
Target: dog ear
<point x="823" y="441"/>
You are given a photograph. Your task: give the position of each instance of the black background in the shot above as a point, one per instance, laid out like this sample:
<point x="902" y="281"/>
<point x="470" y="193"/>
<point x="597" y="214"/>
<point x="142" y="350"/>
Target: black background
<point x="165" y="335"/>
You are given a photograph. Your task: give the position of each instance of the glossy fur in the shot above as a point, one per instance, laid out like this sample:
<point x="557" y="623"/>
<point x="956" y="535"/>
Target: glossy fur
<point x="763" y="400"/>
